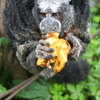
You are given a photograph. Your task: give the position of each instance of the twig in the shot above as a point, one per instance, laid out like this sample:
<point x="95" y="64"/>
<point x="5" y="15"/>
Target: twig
<point x="96" y="34"/>
<point x="13" y="89"/>
<point x="24" y="86"/>
<point x="17" y="87"/>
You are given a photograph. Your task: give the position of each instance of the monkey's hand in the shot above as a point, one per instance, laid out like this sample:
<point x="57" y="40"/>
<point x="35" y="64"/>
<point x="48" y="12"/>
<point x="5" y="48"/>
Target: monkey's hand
<point x="76" y="46"/>
<point x="42" y="51"/>
<point x="27" y="56"/>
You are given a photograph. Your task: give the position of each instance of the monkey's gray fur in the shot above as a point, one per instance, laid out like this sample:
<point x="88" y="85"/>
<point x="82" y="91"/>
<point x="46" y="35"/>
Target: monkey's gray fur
<point x="27" y="22"/>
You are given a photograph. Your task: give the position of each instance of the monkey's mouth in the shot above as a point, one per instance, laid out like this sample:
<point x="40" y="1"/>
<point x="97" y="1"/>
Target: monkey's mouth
<point x="48" y="31"/>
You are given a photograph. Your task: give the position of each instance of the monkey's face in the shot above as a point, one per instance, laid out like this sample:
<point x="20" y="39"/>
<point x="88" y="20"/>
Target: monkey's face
<point x="52" y="15"/>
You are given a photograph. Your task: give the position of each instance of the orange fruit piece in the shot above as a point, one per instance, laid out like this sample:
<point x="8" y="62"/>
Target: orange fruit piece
<point x="61" y="50"/>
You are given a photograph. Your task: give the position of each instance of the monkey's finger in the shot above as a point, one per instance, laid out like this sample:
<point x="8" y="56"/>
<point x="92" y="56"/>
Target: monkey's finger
<point x="75" y="43"/>
<point x="75" y="52"/>
<point x="65" y="32"/>
<point x="69" y="37"/>
<point x="43" y="55"/>
<point x="46" y="49"/>
<point x="75" y="55"/>
<point x="40" y="47"/>
<point x="22" y="49"/>
<point x="74" y="49"/>
<point x="43" y="42"/>
<point x="44" y="36"/>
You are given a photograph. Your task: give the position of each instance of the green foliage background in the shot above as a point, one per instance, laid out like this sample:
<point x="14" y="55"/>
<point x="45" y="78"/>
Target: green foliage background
<point x="84" y="90"/>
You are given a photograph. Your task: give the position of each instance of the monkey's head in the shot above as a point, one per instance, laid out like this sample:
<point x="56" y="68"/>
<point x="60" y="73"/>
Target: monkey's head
<point x="53" y="15"/>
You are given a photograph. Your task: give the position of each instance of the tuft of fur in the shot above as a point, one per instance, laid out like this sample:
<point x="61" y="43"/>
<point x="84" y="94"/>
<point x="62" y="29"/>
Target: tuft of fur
<point x="73" y="72"/>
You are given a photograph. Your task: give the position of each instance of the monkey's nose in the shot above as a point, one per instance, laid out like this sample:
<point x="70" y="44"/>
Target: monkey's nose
<point x="55" y="27"/>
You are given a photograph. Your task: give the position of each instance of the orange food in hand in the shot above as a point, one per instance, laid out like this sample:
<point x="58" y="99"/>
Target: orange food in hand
<point x="60" y="54"/>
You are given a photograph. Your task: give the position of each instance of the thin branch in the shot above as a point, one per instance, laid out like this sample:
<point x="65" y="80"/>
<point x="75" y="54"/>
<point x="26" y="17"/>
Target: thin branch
<point x="96" y="34"/>
<point x="17" y="86"/>
<point x="14" y="88"/>
<point x="24" y="86"/>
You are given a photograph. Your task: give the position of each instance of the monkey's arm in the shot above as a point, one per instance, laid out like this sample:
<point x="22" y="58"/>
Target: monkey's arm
<point x="81" y="27"/>
<point x="79" y="39"/>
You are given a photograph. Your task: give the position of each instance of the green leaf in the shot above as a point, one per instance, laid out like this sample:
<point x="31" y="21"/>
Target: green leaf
<point x="93" y="89"/>
<point x="91" y="78"/>
<point x="2" y="89"/>
<point x="97" y="72"/>
<point x="79" y="87"/>
<point x="93" y="9"/>
<point x="94" y="42"/>
<point x="16" y="82"/>
<point x="4" y="40"/>
<point x="35" y="90"/>
<point x="58" y="87"/>
<point x="63" y="88"/>
<point x="93" y="30"/>
<point x="96" y="19"/>
<point x="98" y="51"/>
<point x="55" y="97"/>
<point x="97" y="97"/>
<point x="4" y="76"/>
<point x="81" y="96"/>
<point x="98" y="92"/>
<point x="98" y="5"/>
<point x="97" y="66"/>
<point x="71" y="88"/>
<point x="62" y="98"/>
<point x="66" y="97"/>
<point x="53" y="91"/>
<point x="74" y="96"/>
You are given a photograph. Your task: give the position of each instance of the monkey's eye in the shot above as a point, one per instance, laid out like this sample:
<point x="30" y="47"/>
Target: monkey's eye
<point x="55" y="14"/>
<point x="43" y="14"/>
